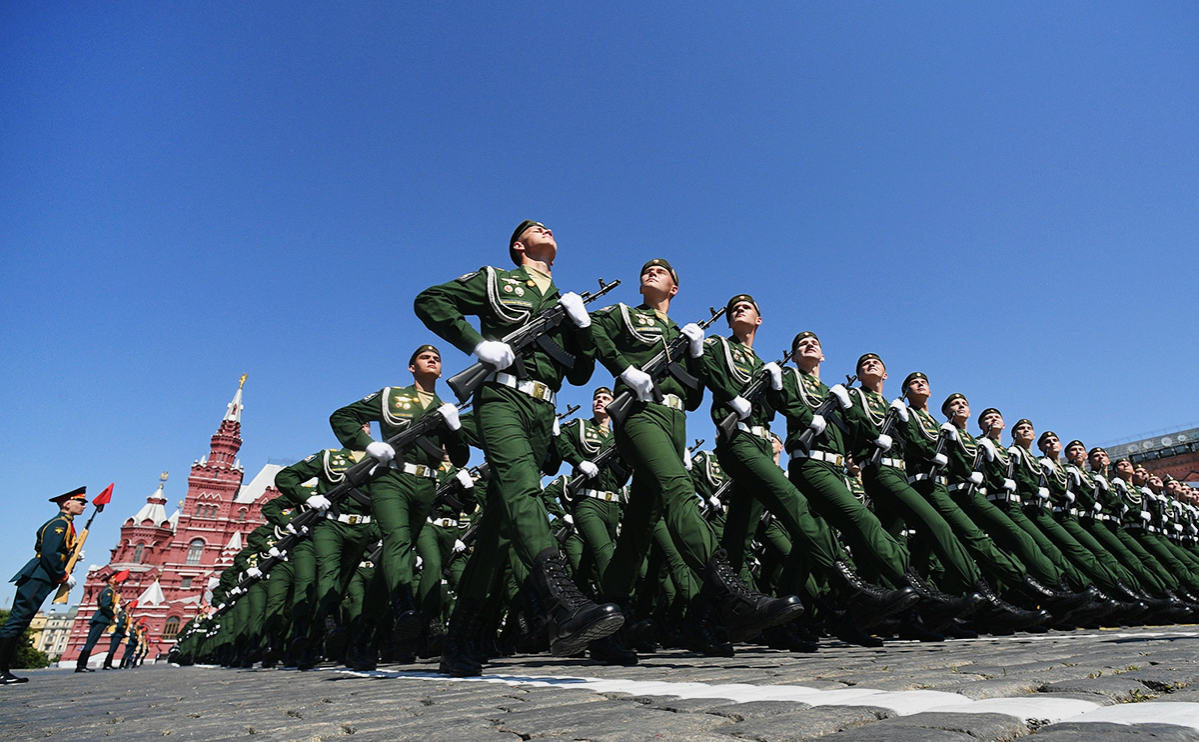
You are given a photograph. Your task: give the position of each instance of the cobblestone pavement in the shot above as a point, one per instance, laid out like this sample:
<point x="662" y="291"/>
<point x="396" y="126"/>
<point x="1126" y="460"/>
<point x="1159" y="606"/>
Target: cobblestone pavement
<point x="1082" y="685"/>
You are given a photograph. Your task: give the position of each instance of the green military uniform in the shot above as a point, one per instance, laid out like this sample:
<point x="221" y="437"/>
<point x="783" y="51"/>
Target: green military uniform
<point x="896" y="502"/>
<point x="299" y="570"/>
<point x="104" y="616"/>
<point x="1129" y="505"/>
<point x="120" y="627"/>
<point x="596" y="509"/>
<point x="437" y="542"/>
<point x="401" y="498"/>
<point x="707" y="476"/>
<point x="651" y="440"/>
<point x="340" y="537"/>
<point x="515" y="422"/>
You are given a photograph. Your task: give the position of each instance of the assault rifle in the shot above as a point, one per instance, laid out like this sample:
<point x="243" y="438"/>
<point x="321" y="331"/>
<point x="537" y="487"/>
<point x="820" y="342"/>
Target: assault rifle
<point x="826" y="409"/>
<point x="752" y="391"/>
<point x="446" y="493"/>
<point x="357" y="475"/>
<point x="876" y="456"/>
<point x="980" y="457"/>
<point x="465" y="383"/>
<point x="658" y="366"/>
<point x="472" y="532"/>
<point x="706" y="509"/>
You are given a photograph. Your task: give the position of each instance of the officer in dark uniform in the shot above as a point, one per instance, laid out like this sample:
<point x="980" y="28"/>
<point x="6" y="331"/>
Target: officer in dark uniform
<point x="47" y="569"/>
<point x="106" y="609"/>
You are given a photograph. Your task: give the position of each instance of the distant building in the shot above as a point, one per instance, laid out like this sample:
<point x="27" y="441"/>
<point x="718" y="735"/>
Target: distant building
<point x="53" y="631"/>
<point x="1175" y="453"/>
<point x="171" y="560"/>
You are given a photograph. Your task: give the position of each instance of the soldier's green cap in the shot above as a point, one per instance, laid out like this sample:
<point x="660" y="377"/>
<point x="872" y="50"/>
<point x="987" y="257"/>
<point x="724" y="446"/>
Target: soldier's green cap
<point x="665" y="264"/>
<point x="866" y="357"/>
<point x="1023" y="421"/>
<point x="1122" y="458"/>
<point x="801" y="336"/>
<point x="986" y="412"/>
<point x="728" y="308"/>
<point x="1044" y="437"/>
<point x="950" y="398"/>
<point x="422" y="349"/>
<point x="602" y="390"/>
<point x="1167" y="477"/>
<point x="1074" y="443"/>
<point x="520" y="229"/>
<point x="1095" y="450"/>
<point x="912" y="377"/>
<point x="75" y="494"/>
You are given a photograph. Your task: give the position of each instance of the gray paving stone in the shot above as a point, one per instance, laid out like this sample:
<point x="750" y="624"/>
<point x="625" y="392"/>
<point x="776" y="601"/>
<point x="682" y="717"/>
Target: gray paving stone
<point x="997" y="727"/>
<point x="611" y="721"/>
<point x="883" y="732"/>
<point x="1103" y="732"/>
<point x="1117" y="688"/>
<point x="808" y="724"/>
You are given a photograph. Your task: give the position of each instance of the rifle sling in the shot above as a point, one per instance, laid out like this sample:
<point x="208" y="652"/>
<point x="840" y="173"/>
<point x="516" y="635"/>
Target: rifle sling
<point x="359" y="496"/>
<point x="426" y="445"/>
<point x="682" y="376"/>
<point x="557" y="352"/>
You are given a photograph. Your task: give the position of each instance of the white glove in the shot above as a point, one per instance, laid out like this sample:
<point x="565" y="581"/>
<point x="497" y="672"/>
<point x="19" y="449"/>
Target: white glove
<point x="695" y="334"/>
<point x="975" y="478"/>
<point x="842" y="394"/>
<point x="1097" y="507"/>
<point x="940" y="459"/>
<point x="640" y="382"/>
<point x="1146" y="516"/>
<point x="463" y="477"/>
<point x="1192" y="529"/>
<point x="254" y="572"/>
<point x="989" y="447"/>
<point x="1075" y="477"/>
<point x="1070" y="496"/>
<point x="1102" y="482"/>
<point x="573" y="304"/>
<point x="950" y="430"/>
<point x="292" y="530"/>
<point x="1009" y="485"/>
<point x="588" y="469"/>
<point x="741" y="406"/>
<point x="818" y="424"/>
<point x="776" y="375"/>
<point x="70" y="582"/>
<point x="449" y="413"/>
<point x="495" y="353"/>
<point x="419" y="562"/>
<point x="274" y="552"/>
<point x="883" y="442"/>
<point x="1178" y="527"/>
<point x="557" y="429"/>
<point x="82" y="555"/>
<point x="318" y="502"/>
<point x="459" y="547"/>
<point x="900" y="408"/>
<point x="687" y="458"/>
<point x="380" y="450"/>
<point x="569" y="519"/>
<point x="714" y="501"/>
<point x="1043" y="493"/>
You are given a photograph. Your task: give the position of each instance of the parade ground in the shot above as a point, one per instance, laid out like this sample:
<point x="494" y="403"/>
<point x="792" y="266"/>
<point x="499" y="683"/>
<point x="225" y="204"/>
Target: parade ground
<point x="1116" y="684"/>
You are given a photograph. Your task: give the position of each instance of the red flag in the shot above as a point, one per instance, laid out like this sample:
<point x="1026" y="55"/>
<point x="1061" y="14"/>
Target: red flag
<point x="121" y="576"/>
<point x="132" y="604"/>
<point x="103" y="497"/>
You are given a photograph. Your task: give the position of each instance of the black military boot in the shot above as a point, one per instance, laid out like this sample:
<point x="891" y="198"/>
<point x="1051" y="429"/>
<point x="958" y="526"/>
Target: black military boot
<point x="703" y="632"/>
<point x="81" y="663"/>
<point x="611" y="651"/>
<point x="868" y="604"/>
<point x="574" y="620"/>
<point x="999" y="617"/>
<point x="108" y="660"/>
<point x="789" y="637"/>
<point x="937" y="608"/>
<point x="336" y="636"/>
<point x="1059" y="604"/>
<point x="407" y="620"/>
<point x="360" y="653"/>
<point x="8" y="650"/>
<point x="460" y="653"/>
<point x="746" y="611"/>
<point x="434" y="639"/>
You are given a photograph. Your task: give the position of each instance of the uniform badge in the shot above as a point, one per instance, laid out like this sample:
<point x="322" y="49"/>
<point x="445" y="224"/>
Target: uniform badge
<point x="508" y="288"/>
<point x="520" y="291"/>
<point x="531" y="283"/>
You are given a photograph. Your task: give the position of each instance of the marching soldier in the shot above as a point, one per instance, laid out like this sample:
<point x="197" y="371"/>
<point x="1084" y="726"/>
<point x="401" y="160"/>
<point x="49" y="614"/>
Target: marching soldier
<point x="514" y="410"/>
<point x="402" y="497"/>
<point x="120" y="628"/>
<point x="41" y="575"/>
<point x="106" y="607"/>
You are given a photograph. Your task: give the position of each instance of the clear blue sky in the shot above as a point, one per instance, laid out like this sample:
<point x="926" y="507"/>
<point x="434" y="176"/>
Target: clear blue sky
<point x="1002" y="196"/>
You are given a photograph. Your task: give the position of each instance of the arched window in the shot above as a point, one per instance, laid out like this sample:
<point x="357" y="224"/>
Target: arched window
<point x="171" y="629"/>
<point x="139" y="553"/>
<point x="194" y="550"/>
<point x="242" y="516"/>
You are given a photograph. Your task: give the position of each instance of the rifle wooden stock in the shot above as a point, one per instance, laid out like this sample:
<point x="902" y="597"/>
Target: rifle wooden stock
<point x="466" y="382"/>
<point x="63" y="591"/>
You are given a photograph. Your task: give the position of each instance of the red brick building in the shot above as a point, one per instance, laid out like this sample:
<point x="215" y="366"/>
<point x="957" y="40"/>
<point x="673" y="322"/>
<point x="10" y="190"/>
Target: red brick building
<point x="172" y="559"/>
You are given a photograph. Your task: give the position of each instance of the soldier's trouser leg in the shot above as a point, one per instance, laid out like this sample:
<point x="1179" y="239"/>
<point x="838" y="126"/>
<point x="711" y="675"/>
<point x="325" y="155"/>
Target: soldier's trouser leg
<point x="1164" y="578"/>
<point x="750" y="462"/>
<point x="1187" y="558"/>
<point x="681" y="575"/>
<point x="596" y="522"/>
<point x="652" y="440"/>
<point x="303" y="593"/>
<point x="255" y="601"/>
<point x="401" y="502"/>
<point x="740" y="523"/>
<point x="1012" y="538"/>
<point x="434" y="545"/>
<point x="888" y="487"/>
<point x="874" y="549"/>
<point x="31" y="593"/>
<point x="278" y="590"/>
<point x="1111" y="542"/>
<point x="1105" y="559"/>
<point x="338" y="548"/>
<point x="1075" y="577"/>
<point x="113" y="644"/>
<point x="517" y="432"/>
<point x="1179" y="569"/>
<point x="581" y="563"/>
<point x="993" y="560"/>
<point x="479" y="570"/>
<point x="94" y="632"/>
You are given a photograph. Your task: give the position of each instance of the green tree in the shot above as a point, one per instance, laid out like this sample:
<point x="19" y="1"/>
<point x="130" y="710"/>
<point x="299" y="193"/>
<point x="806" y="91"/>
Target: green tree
<point x="27" y="657"/>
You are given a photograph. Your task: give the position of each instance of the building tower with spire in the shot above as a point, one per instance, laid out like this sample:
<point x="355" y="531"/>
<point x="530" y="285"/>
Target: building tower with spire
<point x="171" y="559"/>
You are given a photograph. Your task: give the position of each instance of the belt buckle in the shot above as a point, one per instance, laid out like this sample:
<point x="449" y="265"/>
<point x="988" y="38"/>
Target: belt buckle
<point x="353" y="519"/>
<point x="608" y="496"/>
<point x="539" y="390"/>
